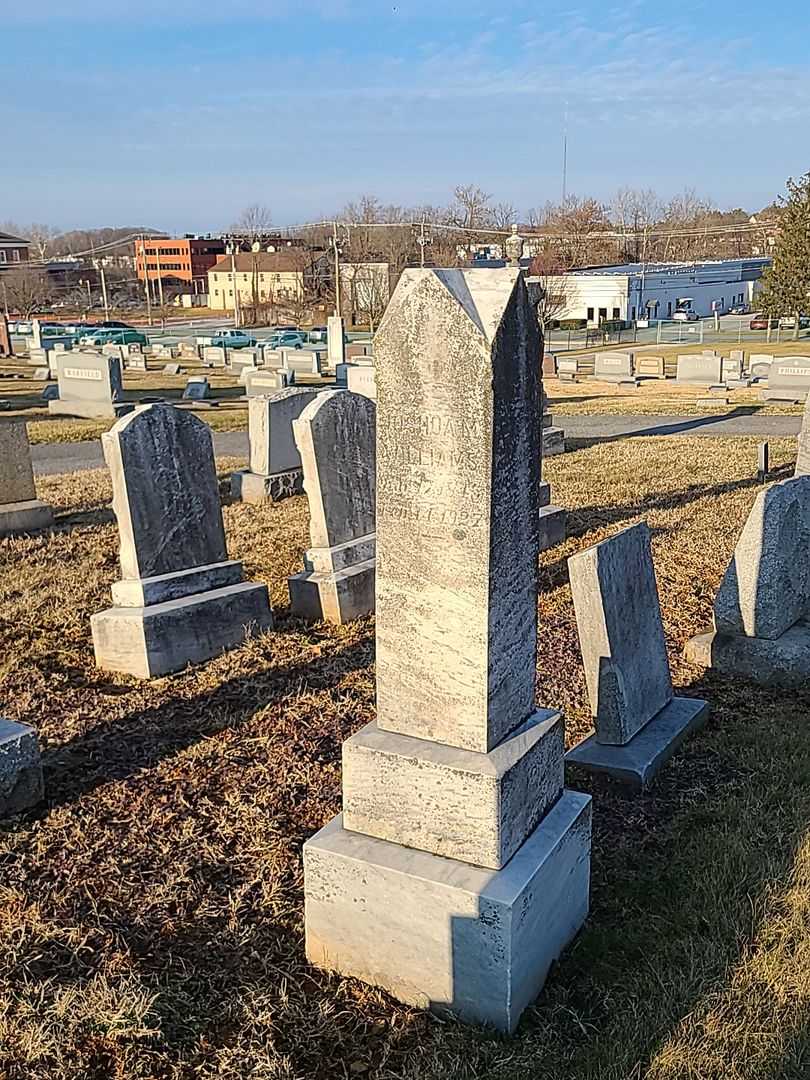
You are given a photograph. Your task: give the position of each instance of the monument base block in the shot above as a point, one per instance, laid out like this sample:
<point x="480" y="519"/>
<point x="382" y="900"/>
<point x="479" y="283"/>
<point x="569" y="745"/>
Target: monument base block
<point x="336" y="598"/>
<point x="24" y="517"/>
<point x="444" y="935"/>
<point x="148" y="642"/>
<point x="553" y="441"/>
<point x="21" y="784"/>
<point x="782" y="661"/>
<point x="89" y="410"/>
<point x="250" y="487"/>
<point x="552" y="526"/>
<point x="638" y="762"/>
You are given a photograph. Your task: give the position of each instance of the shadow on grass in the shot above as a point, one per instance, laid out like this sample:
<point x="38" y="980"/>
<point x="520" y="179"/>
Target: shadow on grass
<point x="678" y="427"/>
<point x="119" y="749"/>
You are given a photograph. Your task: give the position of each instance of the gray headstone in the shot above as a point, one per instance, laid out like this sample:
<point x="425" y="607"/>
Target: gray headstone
<point x="303" y="361"/>
<point x="621" y="634"/>
<point x="458" y="444"/>
<point x="172" y="369"/>
<point x="766" y="588"/>
<point x="197" y="389"/>
<point x="335" y="436"/>
<point x="165" y="492"/>
<point x="89" y="381"/>
<point x="16" y="473"/>
<point x="759" y="365"/>
<point x="270" y="429"/>
<point x="273" y="358"/>
<point x="788" y="379"/>
<point x="215" y="356"/>
<point x="700" y="369"/>
<point x="262" y="383"/>
<point x="613" y="366"/>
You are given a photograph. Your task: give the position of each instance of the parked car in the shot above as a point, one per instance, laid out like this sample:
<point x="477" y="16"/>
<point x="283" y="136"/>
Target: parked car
<point x="739" y="309"/>
<point x="762" y="322"/>
<point x="788" y="322"/>
<point x="287" y="339"/>
<point x="111" y="324"/>
<point x="20" y="326"/>
<point x="684" y="315"/>
<point x="232" y="339"/>
<point x="114" y="337"/>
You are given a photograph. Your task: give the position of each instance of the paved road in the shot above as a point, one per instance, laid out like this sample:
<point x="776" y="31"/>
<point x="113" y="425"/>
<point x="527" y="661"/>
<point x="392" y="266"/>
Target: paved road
<point x="55" y="458"/>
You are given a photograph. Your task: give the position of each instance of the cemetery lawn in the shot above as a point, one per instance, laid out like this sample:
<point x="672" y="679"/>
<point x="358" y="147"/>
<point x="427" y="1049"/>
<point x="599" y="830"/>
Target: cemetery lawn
<point x="151" y="911"/>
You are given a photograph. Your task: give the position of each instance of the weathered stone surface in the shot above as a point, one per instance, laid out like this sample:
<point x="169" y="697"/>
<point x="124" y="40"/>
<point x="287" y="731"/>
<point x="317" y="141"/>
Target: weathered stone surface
<point x="335" y="342"/>
<point x="150" y="642"/>
<point x="788" y="379"/>
<point x="782" y="661"/>
<point x="650" y="367"/>
<point x="197" y="389"/>
<point x="553" y="441"/>
<point x="766" y="588"/>
<point x="21" y="785"/>
<point x="446" y="935"/>
<point x="16" y="473"/>
<point x="700" y="369"/>
<point x="551" y="526"/>
<point x="165" y="492"/>
<point x="638" y="762"/>
<point x="270" y="429"/>
<point x="613" y="366"/>
<point x="254" y="488"/>
<point x="143" y="592"/>
<point x="303" y="361"/>
<point x="803" y="445"/>
<point x="24" y="517"/>
<point x="362" y="380"/>
<point x="759" y="365"/>
<point x="620" y="633"/>
<point x="89" y="385"/>
<point x="335" y="436"/>
<point x="458" y="440"/>
<point x="477" y="808"/>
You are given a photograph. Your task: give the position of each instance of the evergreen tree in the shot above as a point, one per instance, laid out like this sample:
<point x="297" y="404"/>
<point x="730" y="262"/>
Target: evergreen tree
<point x="786" y="284"/>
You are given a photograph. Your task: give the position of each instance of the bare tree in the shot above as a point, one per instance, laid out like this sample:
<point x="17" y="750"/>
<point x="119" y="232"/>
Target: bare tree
<point x="553" y="294"/>
<point x="503" y="216"/>
<point x="471" y="209"/>
<point x="254" y="222"/>
<point x="635" y="212"/>
<point x="28" y="290"/>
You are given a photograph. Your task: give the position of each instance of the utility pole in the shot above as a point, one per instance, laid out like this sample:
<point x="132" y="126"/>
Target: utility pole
<point x="160" y="285"/>
<point x="5" y="299"/>
<point x="337" y="267"/>
<point x="104" y="290"/>
<point x="146" y="282"/>
<point x="235" y="285"/>
<point x="565" y="158"/>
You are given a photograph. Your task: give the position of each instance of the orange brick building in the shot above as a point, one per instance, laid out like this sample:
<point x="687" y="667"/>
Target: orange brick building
<point x="187" y="259"/>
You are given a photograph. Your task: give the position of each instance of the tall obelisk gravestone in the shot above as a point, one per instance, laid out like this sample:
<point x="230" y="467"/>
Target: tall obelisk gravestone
<point x="460" y="867"/>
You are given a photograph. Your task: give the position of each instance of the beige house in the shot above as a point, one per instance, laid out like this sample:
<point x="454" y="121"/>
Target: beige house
<point x="365" y="289"/>
<point x="261" y="277"/>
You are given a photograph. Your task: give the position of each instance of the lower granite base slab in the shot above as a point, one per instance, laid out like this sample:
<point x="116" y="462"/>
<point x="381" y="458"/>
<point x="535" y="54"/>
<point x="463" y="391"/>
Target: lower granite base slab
<point x="89" y="410"/>
<point x="149" y="642"/>
<point x="21" y="784"/>
<point x="782" y="661"/>
<point x="552" y="526"/>
<point x="334" y="598"/>
<point x="24" y="517"/>
<point x="255" y="488"/>
<point x="444" y="935"/>
<point x="638" y="762"/>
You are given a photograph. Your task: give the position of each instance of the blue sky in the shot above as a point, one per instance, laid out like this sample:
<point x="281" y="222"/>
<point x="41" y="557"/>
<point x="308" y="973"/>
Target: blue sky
<point x="178" y="113"/>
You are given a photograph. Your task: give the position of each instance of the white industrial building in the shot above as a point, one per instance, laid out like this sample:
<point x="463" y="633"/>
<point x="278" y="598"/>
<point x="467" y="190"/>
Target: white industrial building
<point x="632" y="291"/>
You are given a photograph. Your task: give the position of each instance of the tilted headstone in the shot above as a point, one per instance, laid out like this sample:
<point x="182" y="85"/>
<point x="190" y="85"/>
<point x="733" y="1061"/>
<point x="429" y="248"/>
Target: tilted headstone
<point x="638" y="720"/>
<point x="700" y="369"/>
<point x="275" y="463"/>
<point x="42" y="374"/>
<point x="335" y="340"/>
<point x="761" y="628"/>
<point x="172" y="369"/>
<point x="20" y="509"/>
<point x="788" y="380"/>
<point x="460" y="867"/>
<point x="197" y="389"/>
<point x="613" y="366"/>
<point x="180" y="599"/>
<point x="650" y="367"/>
<point x="21" y="785"/>
<point x="362" y="380"/>
<point x="335" y="437"/>
<point x="90" y="385"/>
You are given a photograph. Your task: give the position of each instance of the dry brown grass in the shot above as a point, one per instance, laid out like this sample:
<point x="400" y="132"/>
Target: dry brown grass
<point x="151" y="910"/>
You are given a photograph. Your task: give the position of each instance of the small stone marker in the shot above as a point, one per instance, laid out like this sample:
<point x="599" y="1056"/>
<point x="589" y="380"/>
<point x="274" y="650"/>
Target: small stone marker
<point x="275" y="471"/>
<point x="700" y="369"/>
<point x="639" y="722"/>
<point x="335" y="437"/>
<point x="180" y="599"/>
<point x="272" y="358"/>
<point x="335" y="341"/>
<point x="567" y="368"/>
<point x="613" y="367"/>
<point x="362" y="380"/>
<point x="42" y="374"/>
<point x="90" y="385"/>
<point x="6" y="348"/>
<point x="266" y="383"/>
<point x="759" y="365"/>
<point x="20" y="509"/>
<point x="197" y="389"/>
<point x="460" y="868"/>
<point x="21" y="786"/>
<point x="172" y="369"/>
<point x="788" y="380"/>
<point x="650" y="367"/>
<point x="215" y="356"/>
<point x="761" y="630"/>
